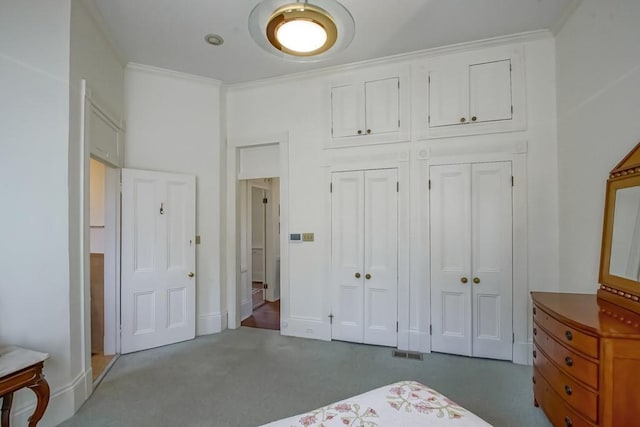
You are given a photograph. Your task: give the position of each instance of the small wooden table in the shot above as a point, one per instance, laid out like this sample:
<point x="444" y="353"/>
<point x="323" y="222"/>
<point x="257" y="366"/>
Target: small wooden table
<point x="21" y="368"/>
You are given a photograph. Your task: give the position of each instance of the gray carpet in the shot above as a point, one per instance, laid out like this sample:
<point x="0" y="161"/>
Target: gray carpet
<point x="249" y="377"/>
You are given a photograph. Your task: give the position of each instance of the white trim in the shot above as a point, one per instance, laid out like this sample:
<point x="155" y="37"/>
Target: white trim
<point x="211" y="323"/>
<point x="133" y="66"/>
<point x="306" y="327"/>
<point x="525" y="37"/>
<point x="522" y="352"/>
<point x="557" y="26"/>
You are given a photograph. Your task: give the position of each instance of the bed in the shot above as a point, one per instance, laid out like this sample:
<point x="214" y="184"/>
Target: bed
<point x="406" y="403"/>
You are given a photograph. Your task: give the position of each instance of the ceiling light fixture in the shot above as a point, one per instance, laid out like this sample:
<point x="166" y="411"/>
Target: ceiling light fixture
<point x="214" y="39"/>
<point x="301" y="31"/>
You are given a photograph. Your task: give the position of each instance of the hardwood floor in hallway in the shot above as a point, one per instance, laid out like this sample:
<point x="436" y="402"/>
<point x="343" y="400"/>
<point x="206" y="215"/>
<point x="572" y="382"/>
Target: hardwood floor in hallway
<point x="267" y="316"/>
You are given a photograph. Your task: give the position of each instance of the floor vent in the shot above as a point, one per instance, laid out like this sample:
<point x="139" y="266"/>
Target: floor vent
<point x="407" y="354"/>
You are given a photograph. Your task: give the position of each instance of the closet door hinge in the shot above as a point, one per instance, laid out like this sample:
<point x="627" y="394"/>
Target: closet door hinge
<point x="265" y="201"/>
<point x="430" y="329"/>
<point x="513" y="338"/>
<point x="331" y="187"/>
<point x="512" y="181"/>
<point x="331" y="319"/>
<point x="429" y="184"/>
<point x="397" y="186"/>
<point x="397" y="327"/>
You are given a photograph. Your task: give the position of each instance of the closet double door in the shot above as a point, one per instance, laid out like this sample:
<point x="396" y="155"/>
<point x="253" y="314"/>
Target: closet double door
<point x="364" y="255"/>
<point x="471" y="259"/>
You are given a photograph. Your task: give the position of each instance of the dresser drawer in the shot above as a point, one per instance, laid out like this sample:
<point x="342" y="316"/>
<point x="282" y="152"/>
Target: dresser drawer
<point x="570" y="362"/>
<point x="559" y="413"/>
<point x="569" y="336"/>
<point x="580" y="398"/>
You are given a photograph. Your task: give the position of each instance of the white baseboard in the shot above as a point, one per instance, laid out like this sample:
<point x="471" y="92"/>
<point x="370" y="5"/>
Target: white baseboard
<point x="522" y="351"/>
<point x="211" y="323"/>
<point x="63" y="403"/>
<point x="306" y="327"/>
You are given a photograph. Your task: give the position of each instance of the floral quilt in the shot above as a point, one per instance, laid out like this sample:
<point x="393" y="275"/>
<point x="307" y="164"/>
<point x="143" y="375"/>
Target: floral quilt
<point x="406" y="403"/>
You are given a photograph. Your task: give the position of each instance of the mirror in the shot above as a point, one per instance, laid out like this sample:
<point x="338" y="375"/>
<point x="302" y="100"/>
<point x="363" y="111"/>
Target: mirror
<point x="620" y="257"/>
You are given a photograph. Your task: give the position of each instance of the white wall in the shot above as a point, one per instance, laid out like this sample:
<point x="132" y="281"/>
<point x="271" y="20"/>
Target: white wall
<point x="173" y="125"/>
<point x="598" y="78"/>
<point x="34" y="146"/>
<point x="299" y="105"/>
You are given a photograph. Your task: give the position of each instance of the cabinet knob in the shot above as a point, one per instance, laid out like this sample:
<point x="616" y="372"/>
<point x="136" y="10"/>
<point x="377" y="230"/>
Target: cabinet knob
<point x="359" y="132"/>
<point x="568" y="390"/>
<point x="568" y="422"/>
<point x="533" y="379"/>
<point x="474" y="118"/>
<point x="535" y="331"/>
<point x="462" y="120"/>
<point x="568" y="361"/>
<point x="368" y="131"/>
<point x="534" y="310"/>
<point x="535" y="354"/>
<point x="569" y="335"/>
<point x="357" y="275"/>
<point x="464" y="280"/>
<point x="367" y="276"/>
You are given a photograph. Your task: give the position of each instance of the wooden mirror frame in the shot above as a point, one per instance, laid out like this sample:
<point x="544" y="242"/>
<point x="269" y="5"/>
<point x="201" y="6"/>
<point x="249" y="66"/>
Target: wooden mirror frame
<point x="616" y="289"/>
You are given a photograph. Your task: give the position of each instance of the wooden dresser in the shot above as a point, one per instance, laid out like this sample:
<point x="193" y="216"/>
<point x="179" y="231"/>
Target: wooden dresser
<point x="586" y="361"/>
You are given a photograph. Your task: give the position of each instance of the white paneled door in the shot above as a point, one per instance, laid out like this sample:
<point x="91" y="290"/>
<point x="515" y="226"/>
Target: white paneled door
<point x="471" y="259"/>
<point x="158" y="259"/>
<point x="364" y="247"/>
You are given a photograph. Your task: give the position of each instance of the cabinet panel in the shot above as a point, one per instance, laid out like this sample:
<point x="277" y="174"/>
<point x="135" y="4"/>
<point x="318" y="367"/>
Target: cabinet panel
<point x="490" y="91"/>
<point x="345" y="110"/>
<point x="382" y="105"/>
<point x="448" y="96"/>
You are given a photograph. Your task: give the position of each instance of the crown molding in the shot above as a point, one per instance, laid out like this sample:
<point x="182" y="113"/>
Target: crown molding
<point x="564" y="17"/>
<point x="133" y="66"/>
<point x="528" y="36"/>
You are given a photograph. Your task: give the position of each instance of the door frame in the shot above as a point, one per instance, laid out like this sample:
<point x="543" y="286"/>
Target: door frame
<point x="232" y="221"/>
<point x="515" y="151"/>
<point x="112" y="237"/>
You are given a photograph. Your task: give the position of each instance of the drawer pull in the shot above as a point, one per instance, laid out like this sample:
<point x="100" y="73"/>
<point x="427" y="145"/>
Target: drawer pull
<point x="568" y="390"/>
<point x="568" y="422"/>
<point x="569" y="335"/>
<point x="568" y="361"/>
<point x="535" y="331"/>
<point x="535" y="354"/>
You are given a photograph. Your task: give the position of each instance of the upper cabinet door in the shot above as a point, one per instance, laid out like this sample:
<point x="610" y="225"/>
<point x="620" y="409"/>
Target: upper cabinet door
<point x="382" y="105"/>
<point x="490" y="91"/>
<point x="346" y="110"/>
<point x="448" y="95"/>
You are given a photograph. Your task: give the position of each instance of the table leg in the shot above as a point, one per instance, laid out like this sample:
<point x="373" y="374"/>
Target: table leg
<point x="41" y="389"/>
<point x="7" y="399"/>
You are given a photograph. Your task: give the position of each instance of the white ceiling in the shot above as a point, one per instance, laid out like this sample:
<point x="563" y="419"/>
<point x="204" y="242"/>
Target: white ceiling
<point x="170" y="33"/>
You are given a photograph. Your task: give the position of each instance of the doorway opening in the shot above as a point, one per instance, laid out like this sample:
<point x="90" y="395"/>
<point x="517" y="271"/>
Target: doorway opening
<point x="260" y="249"/>
<point x="103" y="259"/>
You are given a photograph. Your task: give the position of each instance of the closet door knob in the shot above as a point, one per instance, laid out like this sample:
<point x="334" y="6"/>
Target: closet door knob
<point x="462" y="120"/>
<point x="367" y="276"/>
<point x="359" y="132"/>
<point x="474" y="118"/>
<point x="464" y="280"/>
<point x="191" y="274"/>
<point x="368" y="131"/>
<point x="476" y="280"/>
<point x="357" y="275"/>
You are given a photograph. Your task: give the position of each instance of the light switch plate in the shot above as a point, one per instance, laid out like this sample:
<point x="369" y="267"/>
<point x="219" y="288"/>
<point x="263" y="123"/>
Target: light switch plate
<point x="307" y="237"/>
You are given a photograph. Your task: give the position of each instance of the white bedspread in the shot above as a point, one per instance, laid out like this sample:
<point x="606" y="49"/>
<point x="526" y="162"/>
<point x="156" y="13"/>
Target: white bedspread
<point x="406" y="403"/>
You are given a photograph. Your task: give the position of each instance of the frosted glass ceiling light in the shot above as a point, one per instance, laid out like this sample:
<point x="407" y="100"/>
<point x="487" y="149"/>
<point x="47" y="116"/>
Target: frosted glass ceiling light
<point x="301" y="31"/>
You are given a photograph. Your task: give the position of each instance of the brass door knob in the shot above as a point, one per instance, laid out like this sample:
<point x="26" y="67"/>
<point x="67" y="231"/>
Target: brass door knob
<point x="474" y="118"/>
<point x="464" y="280"/>
<point x="462" y="120"/>
<point x="369" y="131"/>
<point x="191" y="274"/>
<point x="357" y="275"/>
<point x="367" y="276"/>
<point x="359" y="132"/>
<point x="476" y="280"/>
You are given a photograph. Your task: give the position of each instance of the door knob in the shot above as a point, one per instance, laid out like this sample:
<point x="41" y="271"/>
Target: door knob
<point x="474" y="118"/>
<point x="476" y="280"/>
<point x="359" y="132"/>
<point x="191" y="274"/>
<point x="367" y="276"/>
<point x="462" y="119"/>
<point x="369" y="131"/>
<point x="464" y="280"/>
<point x="357" y="275"/>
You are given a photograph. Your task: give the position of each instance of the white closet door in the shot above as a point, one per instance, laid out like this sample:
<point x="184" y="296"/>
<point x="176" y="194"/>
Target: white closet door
<point x="490" y="91"/>
<point x="492" y="265"/>
<point x="381" y="257"/>
<point x="346" y="110"/>
<point x="347" y="255"/>
<point x="158" y="259"/>
<point x="382" y="105"/>
<point x="448" y="95"/>
<point x="450" y="258"/>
